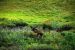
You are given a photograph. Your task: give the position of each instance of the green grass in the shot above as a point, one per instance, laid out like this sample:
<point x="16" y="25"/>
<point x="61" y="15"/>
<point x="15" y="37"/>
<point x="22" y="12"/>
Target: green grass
<point x="33" y="11"/>
<point x="37" y="12"/>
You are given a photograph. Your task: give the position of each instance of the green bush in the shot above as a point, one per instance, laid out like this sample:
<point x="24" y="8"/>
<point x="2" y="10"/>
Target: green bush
<point x="68" y="41"/>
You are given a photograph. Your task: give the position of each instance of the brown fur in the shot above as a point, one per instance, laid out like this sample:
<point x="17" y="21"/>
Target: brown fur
<point x="38" y="32"/>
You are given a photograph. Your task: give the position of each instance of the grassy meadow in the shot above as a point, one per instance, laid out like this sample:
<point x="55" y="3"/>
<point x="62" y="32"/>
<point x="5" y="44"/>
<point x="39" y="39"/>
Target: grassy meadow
<point x="54" y="18"/>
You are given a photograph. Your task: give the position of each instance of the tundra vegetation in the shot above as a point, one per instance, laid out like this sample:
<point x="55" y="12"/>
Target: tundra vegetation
<point x="37" y="24"/>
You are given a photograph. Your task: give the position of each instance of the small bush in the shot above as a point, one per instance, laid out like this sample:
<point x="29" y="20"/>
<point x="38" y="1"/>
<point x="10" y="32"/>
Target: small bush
<point x="69" y="41"/>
